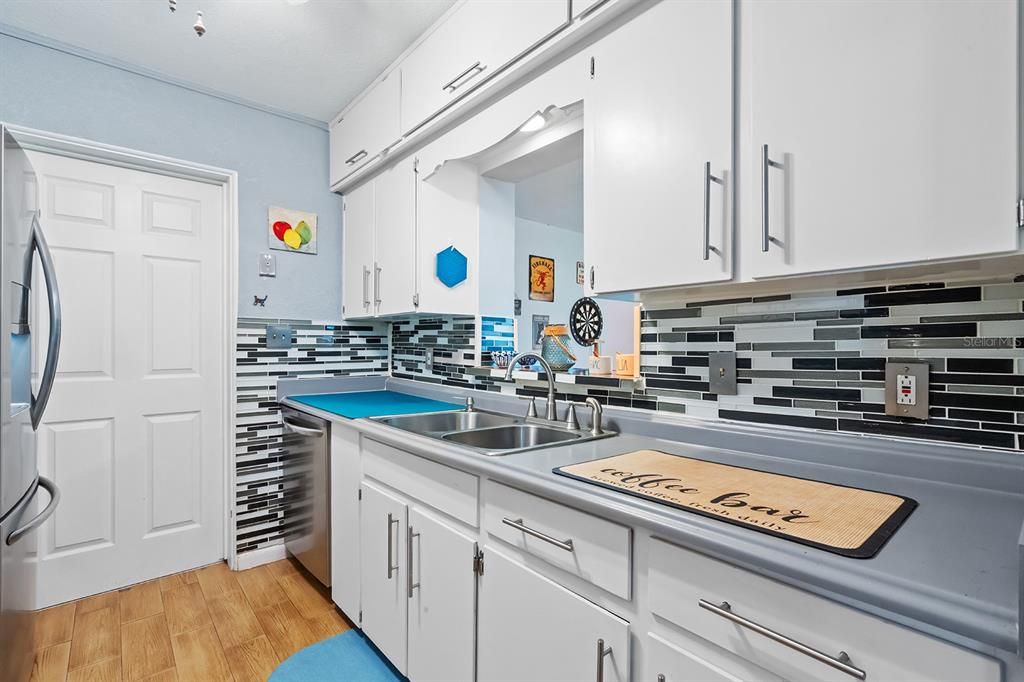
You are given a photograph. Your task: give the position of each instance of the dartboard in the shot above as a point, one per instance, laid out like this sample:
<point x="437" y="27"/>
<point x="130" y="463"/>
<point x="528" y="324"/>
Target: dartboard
<point x="585" y="321"/>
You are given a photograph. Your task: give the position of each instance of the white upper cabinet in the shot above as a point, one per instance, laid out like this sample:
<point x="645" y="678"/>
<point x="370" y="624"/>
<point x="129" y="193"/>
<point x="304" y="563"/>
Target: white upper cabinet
<point x="357" y="253"/>
<point x="476" y="40"/>
<point x="890" y="133"/>
<point x="658" y="149"/>
<point x="367" y="129"/>
<point x="395" y="239"/>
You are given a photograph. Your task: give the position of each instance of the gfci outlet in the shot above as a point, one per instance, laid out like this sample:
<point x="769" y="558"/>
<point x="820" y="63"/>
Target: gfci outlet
<point x="906" y="389"/>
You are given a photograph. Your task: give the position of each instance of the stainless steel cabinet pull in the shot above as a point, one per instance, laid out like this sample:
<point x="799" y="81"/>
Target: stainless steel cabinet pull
<point x="766" y="165"/>
<point x="50" y="487"/>
<point x="366" y="287"/>
<point x="376" y="284"/>
<point x="392" y="565"/>
<point x="358" y="156"/>
<point x="298" y="428"/>
<point x="40" y="246"/>
<point x="708" y="179"/>
<point x="518" y="525"/>
<point x="454" y="84"/>
<point x="840" y="662"/>
<point x="601" y="653"/>
<point x="408" y="574"/>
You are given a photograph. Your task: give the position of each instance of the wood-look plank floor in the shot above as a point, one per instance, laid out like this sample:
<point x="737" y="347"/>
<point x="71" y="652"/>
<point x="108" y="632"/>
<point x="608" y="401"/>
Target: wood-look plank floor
<point x="207" y="625"/>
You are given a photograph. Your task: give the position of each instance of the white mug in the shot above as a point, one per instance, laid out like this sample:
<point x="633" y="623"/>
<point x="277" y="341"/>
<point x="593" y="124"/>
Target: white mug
<point x="600" y="364"/>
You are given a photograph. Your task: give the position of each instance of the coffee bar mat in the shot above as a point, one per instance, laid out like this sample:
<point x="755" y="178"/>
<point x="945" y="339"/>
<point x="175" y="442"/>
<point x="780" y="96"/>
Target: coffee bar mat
<point x="847" y="521"/>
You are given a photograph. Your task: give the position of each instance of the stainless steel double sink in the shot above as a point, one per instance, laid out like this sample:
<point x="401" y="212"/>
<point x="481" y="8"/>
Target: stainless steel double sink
<point x="491" y="433"/>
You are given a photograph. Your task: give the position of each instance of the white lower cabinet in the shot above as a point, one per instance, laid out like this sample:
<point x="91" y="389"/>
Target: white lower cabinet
<point x="345" y="531"/>
<point x="531" y="628"/>
<point x="383" y="582"/>
<point x="442" y="600"/>
<point x="418" y="588"/>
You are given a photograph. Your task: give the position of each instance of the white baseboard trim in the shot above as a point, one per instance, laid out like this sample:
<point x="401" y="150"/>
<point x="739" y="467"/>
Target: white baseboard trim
<point x="258" y="557"/>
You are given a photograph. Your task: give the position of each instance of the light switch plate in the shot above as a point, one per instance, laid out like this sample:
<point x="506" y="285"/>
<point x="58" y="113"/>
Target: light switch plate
<point x="722" y="373"/>
<point x="268" y="265"/>
<point x="279" y="336"/>
<point x="909" y="380"/>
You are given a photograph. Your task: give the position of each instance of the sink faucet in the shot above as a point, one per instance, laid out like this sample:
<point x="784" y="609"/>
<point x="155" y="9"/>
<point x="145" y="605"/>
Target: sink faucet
<point x="551" y="413"/>
<point x="595" y="422"/>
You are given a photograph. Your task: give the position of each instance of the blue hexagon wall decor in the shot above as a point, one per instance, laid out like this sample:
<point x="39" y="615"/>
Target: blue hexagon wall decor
<point x="451" y="267"/>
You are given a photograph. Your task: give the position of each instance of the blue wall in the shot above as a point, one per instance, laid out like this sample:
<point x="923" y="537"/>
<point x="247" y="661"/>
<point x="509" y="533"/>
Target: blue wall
<point x="279" y="161"/>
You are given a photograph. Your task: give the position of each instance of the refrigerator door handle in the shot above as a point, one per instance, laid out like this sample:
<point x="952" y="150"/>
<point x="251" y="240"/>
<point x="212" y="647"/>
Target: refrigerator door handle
<point x="50" y="487"/>
<point x="53" y="303"/>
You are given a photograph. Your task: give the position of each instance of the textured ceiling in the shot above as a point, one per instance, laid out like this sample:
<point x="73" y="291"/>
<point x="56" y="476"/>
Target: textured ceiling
<point x="308" y="59"/>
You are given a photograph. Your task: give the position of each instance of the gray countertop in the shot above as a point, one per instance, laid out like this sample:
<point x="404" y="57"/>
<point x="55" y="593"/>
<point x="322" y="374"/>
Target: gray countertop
<point x="952" y="570"/>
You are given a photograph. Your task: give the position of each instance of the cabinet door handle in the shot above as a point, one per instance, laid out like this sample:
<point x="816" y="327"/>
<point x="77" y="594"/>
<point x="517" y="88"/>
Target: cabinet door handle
<point x="358" y="156"/>
<point x="840" y="662"/>
<point x="601" y="653"/>
<point x="410" y="585"/>
<point x="366" y="287"/>
<point x="708" y="179"/>
<point x="766" y="165"/>
<point x="454" y="84"/>
<point x="518" y="525"/>
<point x="392" y="565"/>
<point x="376" y="284"/>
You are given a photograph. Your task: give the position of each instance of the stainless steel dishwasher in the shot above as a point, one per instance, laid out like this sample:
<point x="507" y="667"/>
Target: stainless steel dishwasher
<point x="307" y="492"/>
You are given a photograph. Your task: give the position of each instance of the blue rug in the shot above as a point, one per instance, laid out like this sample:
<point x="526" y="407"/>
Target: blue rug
<point x="347" y="657"/>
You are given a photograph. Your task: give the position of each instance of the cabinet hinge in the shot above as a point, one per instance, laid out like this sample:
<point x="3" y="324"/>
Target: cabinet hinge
<point x="360" y="616"/>
<point x="592" y="67"/>
<point x="416" y="166"/>
<point x="478" y="562"/>
<point x="360" y="495"/>
<point x="1020" y="213"/>
<point x="591" y="277"/>
<point x="415" y="300"/>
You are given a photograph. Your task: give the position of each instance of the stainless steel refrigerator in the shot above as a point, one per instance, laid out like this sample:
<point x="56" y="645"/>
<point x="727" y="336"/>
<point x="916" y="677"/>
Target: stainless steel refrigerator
<point x="23" y="493"/>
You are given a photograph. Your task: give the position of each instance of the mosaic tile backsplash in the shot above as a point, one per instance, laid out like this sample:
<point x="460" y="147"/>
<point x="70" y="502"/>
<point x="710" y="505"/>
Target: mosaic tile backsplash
<point x="318" y="350"/>
<point x="812" y="360"/>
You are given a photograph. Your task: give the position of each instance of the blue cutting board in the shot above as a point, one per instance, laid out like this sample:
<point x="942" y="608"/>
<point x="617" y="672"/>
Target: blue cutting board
<point x="372" y="403"/>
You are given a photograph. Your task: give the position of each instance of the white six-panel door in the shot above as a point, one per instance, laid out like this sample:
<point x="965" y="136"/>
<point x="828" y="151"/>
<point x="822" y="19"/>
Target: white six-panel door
<point x="134" y="431"/>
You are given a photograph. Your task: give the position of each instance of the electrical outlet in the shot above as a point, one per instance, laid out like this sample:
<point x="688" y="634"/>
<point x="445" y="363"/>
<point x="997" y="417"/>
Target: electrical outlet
<point x="279" y="336"/>
<point x="906" y="389"/>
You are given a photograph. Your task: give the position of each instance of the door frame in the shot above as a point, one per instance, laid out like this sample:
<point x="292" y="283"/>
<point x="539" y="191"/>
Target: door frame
<point x="112" y="155"/>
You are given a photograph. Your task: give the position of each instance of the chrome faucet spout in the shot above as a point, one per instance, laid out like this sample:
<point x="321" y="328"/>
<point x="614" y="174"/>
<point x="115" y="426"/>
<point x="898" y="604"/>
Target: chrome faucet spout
<point x="551" y="411"/>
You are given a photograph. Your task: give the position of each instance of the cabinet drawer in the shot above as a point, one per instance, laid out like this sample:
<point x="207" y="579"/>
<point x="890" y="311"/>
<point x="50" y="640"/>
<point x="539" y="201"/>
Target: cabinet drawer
<point x="679" y="579"/>
<point x="683" y="661"/>
<point x="594" y="549"/>
<point x="448" y="490"/>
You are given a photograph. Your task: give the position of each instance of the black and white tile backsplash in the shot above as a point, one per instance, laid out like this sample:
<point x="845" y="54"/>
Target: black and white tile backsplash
<point x="318" y="350"/>
<point x="812" y="360"/>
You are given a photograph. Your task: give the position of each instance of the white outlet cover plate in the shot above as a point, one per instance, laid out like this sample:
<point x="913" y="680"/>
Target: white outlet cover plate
<point x="919" y="371"/>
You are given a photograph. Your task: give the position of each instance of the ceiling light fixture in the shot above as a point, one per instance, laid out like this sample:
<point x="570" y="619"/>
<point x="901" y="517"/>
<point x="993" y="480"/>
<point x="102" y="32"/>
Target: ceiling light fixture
<point x="199" y="27"/>
<point x="534" y="123"/>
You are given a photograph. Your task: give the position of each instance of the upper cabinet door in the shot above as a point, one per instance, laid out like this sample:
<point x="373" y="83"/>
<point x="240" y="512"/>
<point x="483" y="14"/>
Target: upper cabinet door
<point x="395" y="238"/>
<point x="368" y="128"/>
<point x="477" y="40"/>
<point x="357" y="253"/>
<point x="880" y="132"/>
<point x="658" y="149"/>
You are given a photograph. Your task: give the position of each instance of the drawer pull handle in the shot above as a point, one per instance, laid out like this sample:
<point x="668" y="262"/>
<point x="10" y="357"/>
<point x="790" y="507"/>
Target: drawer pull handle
<point x="358" y="156"/>
<point x="840" y="662"/>
<point x="454" y="84"/>
<point x="518" y="525"/>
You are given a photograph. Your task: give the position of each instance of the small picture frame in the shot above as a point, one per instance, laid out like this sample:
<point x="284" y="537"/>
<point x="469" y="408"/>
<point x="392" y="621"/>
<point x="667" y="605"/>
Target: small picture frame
<point x="537" y="325"/>
<point x="579" y="272"/>
<point x="542" y="279"/>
